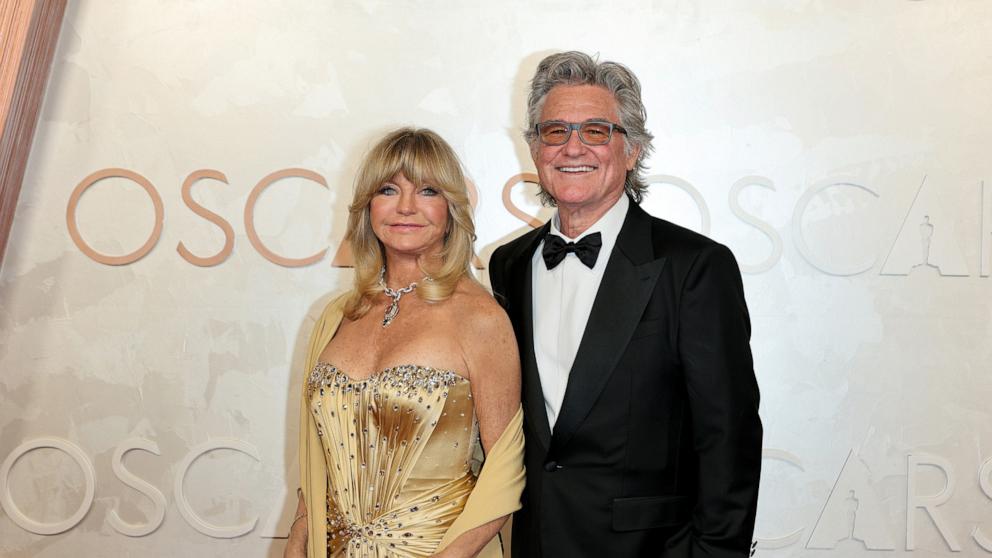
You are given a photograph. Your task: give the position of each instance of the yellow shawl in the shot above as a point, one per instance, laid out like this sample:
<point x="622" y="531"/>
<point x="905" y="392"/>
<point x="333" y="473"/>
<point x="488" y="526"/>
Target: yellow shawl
<point x="496" y="492"/>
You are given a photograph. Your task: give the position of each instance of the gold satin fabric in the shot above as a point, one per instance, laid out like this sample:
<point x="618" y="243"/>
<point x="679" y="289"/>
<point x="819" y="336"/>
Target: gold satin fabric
<point x="387" y="462"/>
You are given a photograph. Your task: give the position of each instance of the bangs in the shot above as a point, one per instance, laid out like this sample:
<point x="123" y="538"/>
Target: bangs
<point x="422" y="160"/>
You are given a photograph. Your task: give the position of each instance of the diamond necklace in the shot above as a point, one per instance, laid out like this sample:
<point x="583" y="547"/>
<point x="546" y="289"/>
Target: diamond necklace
<point x="394" y="306"/>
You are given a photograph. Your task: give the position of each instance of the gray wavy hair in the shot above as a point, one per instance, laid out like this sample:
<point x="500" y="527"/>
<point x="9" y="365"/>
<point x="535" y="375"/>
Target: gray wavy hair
<point x="578" y="68"/>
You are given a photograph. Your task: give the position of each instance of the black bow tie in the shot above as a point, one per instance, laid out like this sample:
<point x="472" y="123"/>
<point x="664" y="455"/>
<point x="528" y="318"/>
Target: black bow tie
<point x="586" y="249"/>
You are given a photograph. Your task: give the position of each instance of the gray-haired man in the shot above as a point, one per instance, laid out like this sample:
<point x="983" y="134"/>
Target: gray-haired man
<point x="643" y="436"/>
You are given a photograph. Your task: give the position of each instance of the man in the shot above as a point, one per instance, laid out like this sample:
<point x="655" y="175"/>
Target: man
<point x="643" y="436"/>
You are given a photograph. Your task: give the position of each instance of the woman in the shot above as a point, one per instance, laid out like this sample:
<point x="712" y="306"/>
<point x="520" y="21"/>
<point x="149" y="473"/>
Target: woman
<point x="406" y="372"/>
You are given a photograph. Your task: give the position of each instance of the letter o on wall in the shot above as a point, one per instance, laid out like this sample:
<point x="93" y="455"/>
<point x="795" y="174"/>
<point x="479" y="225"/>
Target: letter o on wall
<point x="685" y="186"/>
<point x="15" y="513"/>
<point x="70" y="216"/>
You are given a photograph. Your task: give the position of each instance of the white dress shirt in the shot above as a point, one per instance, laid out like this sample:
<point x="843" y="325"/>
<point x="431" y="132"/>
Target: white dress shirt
<point x="562" y="301"/>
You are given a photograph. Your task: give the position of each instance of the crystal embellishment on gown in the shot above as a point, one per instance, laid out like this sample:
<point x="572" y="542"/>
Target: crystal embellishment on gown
<point x="407" y="376"/>
<point x="399" y="446"/>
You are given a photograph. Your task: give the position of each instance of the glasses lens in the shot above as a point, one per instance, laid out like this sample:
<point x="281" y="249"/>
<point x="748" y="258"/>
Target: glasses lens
<point x="553" y="133"/>
<point x="595" y="133"/>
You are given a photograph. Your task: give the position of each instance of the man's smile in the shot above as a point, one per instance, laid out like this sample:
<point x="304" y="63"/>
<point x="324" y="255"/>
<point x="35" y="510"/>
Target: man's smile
<point x="576" y="168"/>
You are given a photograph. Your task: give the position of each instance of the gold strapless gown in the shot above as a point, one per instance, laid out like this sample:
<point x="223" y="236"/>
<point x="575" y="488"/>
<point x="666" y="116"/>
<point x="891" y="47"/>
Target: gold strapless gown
<point x="400" y="448"/>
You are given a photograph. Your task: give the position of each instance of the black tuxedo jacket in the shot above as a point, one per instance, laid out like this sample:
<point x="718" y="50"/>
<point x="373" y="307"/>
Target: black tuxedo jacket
<point x="657" y="446"/>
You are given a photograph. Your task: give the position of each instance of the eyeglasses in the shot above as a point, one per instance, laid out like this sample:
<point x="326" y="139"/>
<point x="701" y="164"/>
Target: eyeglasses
<point x="591" y="132"/>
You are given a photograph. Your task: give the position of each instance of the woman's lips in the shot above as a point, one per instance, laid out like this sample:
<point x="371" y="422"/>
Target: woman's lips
<point x="406" y="227"/>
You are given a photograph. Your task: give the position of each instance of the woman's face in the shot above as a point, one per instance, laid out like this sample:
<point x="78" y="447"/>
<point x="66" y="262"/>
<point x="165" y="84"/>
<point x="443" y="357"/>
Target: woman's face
<point x="408" y="218"/>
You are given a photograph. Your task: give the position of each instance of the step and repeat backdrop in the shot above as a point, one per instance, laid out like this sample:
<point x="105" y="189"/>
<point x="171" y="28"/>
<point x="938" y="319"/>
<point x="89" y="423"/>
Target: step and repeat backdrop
<point x="183" y="211"/>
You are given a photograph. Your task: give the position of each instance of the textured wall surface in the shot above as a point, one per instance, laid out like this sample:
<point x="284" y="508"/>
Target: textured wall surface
<point x="841" y="149"/>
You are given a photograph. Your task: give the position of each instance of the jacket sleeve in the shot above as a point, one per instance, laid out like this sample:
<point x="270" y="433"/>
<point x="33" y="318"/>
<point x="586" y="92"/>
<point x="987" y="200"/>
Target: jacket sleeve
<point x="714" y="333"/>
<point x="497" y="275"/>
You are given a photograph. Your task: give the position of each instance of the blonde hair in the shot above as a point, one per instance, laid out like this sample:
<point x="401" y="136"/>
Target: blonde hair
<point x="423" y="157"/>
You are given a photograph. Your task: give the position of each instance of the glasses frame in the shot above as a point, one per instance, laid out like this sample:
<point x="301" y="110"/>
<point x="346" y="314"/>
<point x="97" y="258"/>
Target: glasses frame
<point x="577" y="127"/>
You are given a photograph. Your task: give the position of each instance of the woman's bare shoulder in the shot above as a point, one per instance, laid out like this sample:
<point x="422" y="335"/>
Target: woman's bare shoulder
<point x="488" y="343"/>
<point x="481" y="320"/>
<point x="473" y="301"/>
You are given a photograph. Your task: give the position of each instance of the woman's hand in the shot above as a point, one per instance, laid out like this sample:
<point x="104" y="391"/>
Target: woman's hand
<point x="470" y="543"/>
<point x="296" y="546"/>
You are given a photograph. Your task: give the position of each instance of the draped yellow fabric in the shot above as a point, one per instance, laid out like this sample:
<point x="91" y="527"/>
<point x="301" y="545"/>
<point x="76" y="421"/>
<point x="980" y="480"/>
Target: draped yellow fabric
<point x="497" y="492"/>
<point x="494" y="494"/>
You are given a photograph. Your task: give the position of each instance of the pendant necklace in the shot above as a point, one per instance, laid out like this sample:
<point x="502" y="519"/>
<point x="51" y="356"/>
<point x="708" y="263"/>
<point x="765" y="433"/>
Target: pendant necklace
<point x="394" y="306"/>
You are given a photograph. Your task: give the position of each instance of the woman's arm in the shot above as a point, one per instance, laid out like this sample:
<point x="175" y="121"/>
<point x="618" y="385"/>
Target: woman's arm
<point x="491" y="355"/>
<point x="296" y="546"/>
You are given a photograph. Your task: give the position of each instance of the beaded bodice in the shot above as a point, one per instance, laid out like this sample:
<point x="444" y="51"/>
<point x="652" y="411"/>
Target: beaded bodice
<point x="399" y="448"/>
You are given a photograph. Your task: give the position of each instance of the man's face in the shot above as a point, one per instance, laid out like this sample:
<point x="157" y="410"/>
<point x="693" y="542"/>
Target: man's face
<point x="580" y="176"/>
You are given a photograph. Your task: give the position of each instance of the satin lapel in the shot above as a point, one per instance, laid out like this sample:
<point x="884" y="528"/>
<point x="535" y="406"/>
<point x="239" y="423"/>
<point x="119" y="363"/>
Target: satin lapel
<point x="626" y="287"/>
<point x="521" y="282"/>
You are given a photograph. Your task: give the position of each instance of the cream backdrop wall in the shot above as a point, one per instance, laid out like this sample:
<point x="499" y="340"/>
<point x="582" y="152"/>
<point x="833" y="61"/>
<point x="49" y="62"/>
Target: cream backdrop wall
<point x="843" y="150"/>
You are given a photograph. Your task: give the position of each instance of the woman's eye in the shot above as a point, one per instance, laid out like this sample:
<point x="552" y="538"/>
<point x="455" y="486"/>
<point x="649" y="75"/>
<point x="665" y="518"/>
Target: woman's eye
<point x="428" y="191"/>
<point x="387" y="189"/>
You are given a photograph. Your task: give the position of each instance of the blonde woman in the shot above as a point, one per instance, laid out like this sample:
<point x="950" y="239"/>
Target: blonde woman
<point x="407" y="374"/>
